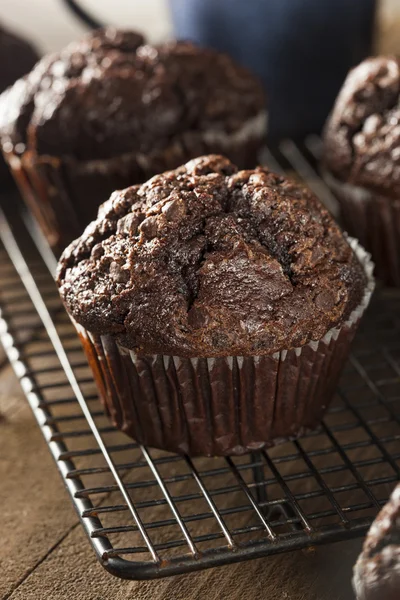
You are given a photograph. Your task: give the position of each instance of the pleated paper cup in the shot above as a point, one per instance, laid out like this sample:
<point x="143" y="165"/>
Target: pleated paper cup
<point x="375" y="220"/>
<point x="227" y="405"/>
<point x="64" y="194"/>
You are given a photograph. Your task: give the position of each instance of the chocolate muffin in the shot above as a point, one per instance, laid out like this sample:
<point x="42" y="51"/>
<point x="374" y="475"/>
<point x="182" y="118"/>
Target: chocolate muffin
<point x="377" y="571"/>
<point x="110" y="111"/>
<point x="216" y="307"/>
<point x="17" y="57"/>
<point x="362" y="159"/>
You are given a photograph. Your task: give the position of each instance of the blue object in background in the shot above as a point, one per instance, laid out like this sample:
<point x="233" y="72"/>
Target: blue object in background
<point x="301" y="49"/>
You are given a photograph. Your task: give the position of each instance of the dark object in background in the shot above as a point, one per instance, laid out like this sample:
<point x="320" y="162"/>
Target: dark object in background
<point x="85" y="17"/>
<point x="301" y="49"/>
<point x="17" y="58"/>
<point x="142" y="110"/>
<point x="377" y="571"/>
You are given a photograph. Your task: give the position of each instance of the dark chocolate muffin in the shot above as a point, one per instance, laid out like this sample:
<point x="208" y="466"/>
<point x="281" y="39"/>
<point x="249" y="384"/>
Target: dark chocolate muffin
<point x="17" y="57"/>
<point x="362" y="156"/>
<point x="242" y="277"/>
<point x="377" y="571"/>
<point x="109" y="111"/>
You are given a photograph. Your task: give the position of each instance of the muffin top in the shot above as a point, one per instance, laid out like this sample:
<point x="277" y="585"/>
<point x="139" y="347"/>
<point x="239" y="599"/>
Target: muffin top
<point x="210" y="261"/>
<point x="17" y="57"/>
<point x="377" y="571"/>
<point x="362" y="135"/>
<point x="110" y="94"/>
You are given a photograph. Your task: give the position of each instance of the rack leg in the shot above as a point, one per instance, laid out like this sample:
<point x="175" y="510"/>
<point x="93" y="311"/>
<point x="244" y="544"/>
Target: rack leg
<point x="258" y="476"/>
<point x="277" y="511"/>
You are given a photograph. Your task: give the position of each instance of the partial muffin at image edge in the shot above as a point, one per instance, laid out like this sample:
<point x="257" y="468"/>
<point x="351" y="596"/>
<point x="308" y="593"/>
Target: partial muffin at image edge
<point x="376" y="575"/>
<point x="110" y="111"/>
<point x="216" y="307"/>
<point x="17" y="57"/>
<point x="362" y="160"/>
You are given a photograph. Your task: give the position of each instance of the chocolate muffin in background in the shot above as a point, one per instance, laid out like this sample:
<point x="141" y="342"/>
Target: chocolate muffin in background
<point x="377" y="571"/>
<point x="109" y="111"/>
<point x="17" y="57"/>
<point x="362" y="160"/>
<point x="216" y="307"/>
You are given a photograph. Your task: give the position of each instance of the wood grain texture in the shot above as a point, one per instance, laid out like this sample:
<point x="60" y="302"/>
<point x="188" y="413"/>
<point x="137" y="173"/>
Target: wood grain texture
<point x="34" y="509"/>
<point x="71" y="571"/>
<point x="45" y="554"/>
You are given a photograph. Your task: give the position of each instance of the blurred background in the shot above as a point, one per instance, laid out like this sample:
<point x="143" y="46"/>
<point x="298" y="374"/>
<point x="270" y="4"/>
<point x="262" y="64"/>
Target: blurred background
<point x="301" y="49"/>
<point x="50" y="25"/>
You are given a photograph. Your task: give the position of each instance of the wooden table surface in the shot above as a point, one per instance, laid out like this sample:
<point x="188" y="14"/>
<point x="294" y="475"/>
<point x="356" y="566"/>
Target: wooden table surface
<point x="44" y="552"/>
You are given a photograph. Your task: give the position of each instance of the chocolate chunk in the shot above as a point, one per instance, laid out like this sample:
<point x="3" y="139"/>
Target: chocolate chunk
<point x="197" y="318"/>
<point x="174" y="210"/>
<point x="149" y="227"/>
<point x="118" y="274"/>
<point x="130" y="224"/>
<point x="325" y="300"/>
<point x="97" y="251"/>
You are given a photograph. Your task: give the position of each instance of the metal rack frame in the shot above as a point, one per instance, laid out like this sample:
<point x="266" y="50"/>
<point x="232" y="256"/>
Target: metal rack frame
<point x="151" y="514"/>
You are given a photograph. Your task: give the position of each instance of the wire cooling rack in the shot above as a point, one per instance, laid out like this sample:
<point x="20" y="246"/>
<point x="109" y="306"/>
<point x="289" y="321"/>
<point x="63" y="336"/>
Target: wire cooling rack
<point x="149" y="513"/>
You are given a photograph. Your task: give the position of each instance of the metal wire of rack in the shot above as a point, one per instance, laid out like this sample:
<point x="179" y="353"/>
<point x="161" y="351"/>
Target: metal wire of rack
<point x="149" y="513"/>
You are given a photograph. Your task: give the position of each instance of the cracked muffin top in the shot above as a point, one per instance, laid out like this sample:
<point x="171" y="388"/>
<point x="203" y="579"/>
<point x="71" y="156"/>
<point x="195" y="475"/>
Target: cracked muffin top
<point x="111" y="94"/>
<point x="362" y="135"/>
<point x="210" y="261"/>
